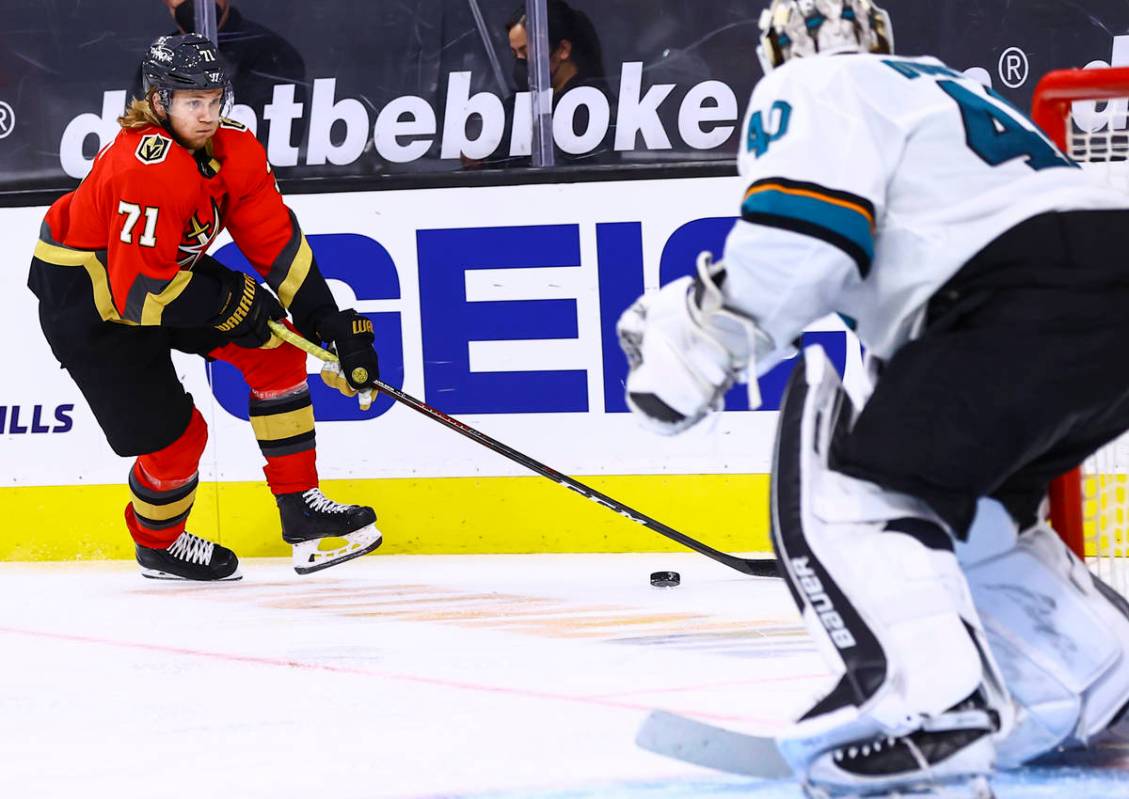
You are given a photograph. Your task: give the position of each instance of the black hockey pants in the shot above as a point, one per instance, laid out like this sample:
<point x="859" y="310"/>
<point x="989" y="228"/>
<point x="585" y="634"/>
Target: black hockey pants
<point x="1022" y="371"/>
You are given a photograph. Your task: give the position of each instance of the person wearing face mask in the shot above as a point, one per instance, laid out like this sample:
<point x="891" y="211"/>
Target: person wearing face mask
<point x="574" y="49"/>
<point x="575" y="60"/>
<point x="257" y="58"/>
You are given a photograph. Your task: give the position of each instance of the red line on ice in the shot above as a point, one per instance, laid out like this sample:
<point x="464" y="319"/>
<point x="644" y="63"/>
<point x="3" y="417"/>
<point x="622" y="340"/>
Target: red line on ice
<point x="298" y="664"/>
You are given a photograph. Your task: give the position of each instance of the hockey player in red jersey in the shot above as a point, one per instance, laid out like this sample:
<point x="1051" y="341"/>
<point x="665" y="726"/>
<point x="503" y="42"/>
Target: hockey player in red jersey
<point x="138" y="229"/>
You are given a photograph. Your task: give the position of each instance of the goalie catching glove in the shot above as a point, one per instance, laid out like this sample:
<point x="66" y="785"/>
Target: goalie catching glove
<point x="685" y="349"/>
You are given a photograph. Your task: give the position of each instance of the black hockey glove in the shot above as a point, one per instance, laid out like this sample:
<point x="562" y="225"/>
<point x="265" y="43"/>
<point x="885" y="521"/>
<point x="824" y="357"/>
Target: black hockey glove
<point x="244" y="316"/>
<point x="352" y="337"/>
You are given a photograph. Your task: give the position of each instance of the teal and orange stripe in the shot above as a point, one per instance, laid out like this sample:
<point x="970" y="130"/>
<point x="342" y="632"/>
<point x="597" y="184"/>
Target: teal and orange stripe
<point x="842" y="219"/>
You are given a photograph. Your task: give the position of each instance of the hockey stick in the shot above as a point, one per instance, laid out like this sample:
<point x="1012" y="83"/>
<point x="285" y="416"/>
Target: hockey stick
<point x="756" y="567"/>
<point x="693" y="741"/>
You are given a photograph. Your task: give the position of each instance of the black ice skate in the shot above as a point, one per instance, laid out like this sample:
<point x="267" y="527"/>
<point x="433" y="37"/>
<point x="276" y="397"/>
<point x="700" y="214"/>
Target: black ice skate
<point x="310" y="522"/>
<point x="950" y="757"/>
<point x="189" y="558"/>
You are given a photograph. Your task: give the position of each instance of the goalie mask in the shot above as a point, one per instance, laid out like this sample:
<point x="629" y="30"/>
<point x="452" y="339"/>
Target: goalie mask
<point x="804" y="28"/>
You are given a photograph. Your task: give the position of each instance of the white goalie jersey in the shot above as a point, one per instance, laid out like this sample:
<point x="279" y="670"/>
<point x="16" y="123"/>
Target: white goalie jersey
<point x="869" y="181"/>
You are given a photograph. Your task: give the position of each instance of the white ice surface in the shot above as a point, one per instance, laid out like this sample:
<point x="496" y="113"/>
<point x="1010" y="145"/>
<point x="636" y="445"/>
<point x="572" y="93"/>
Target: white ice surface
<point x="411" y="677"/>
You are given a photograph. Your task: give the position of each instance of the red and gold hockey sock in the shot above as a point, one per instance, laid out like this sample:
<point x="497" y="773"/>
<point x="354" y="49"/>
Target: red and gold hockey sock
<point x="162" y="487"/>
<point x="284" y="428"/>
<point x="155" y="518"/>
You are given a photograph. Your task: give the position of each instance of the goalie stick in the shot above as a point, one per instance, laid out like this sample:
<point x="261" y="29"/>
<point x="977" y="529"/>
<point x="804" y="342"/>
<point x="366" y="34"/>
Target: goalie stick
<point x="692" y="741"/>
<point x="757" y="756"/>
<point x="756" y="567"/>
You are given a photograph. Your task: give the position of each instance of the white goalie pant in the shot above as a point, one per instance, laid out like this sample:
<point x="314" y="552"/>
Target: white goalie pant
<point x="880" y="590"/>
<point x="1061" y="640"/>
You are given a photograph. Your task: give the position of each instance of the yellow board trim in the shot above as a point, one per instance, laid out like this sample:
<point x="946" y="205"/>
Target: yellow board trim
<point x="277" y="426"/>
<point x="462" y="515"/>
<point x="296" y="275"/>
<point x="160" y="513"/>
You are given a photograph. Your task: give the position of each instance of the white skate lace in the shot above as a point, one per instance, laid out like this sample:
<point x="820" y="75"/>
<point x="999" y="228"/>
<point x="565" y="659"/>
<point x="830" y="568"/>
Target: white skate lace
<point x="189" y="548"/>
<point x="315" y="500"/>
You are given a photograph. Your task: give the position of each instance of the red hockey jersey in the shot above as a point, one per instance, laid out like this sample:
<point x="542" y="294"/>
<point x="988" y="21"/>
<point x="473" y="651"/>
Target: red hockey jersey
<point x="150" y="208"/>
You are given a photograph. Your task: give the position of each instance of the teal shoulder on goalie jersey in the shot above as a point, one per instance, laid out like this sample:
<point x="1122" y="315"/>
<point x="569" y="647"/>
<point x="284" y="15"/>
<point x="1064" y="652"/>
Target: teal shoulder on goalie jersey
<point x="842" y="219"/>
<point x="915" y="69"/>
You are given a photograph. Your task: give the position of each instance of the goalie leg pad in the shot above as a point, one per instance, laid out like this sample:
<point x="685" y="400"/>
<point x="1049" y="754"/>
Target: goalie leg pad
<point x="880" y="589"/>
<point x="1060" y="637"/>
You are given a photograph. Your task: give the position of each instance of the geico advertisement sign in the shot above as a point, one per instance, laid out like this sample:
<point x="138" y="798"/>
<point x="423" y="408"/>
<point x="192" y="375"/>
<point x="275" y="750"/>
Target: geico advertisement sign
<point x="452" y="323"/>
<point x="407" y="127"/>
<point x="496" y="304"/>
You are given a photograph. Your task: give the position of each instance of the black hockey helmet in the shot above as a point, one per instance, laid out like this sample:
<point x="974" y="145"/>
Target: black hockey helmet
<point x="185" y="61"/>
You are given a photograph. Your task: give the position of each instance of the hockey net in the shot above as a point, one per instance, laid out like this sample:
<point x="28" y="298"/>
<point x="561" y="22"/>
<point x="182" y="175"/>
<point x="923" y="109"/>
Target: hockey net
<point x="1086" y="113"/>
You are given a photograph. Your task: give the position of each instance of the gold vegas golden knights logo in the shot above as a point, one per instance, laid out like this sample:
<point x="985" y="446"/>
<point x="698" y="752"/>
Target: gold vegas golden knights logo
<point x="153" y="148"/>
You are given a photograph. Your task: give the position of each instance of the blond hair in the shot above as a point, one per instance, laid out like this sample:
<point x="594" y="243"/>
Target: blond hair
<point x="139" y="113"/>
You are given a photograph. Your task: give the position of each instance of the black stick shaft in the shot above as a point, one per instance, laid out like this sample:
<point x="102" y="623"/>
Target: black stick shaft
<point x="757" y="567"/>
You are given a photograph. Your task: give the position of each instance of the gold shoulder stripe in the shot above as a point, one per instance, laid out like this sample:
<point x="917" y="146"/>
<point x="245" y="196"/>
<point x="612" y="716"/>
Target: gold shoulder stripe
<point x="296" y="274"/>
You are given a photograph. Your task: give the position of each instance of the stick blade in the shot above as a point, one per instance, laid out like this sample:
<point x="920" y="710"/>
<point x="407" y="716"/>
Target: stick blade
<point x="702" y="744"/>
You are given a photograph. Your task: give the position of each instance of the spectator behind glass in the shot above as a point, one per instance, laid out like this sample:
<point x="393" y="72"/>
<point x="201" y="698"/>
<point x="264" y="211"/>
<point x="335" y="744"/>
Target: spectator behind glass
<point x="575" y="60"/>
<point x="257" y="57"/>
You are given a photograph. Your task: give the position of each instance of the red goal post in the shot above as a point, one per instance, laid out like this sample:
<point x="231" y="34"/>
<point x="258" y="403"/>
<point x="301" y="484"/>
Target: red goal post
<point x="1056" y="93"/>
<point x="1081" y="498"/>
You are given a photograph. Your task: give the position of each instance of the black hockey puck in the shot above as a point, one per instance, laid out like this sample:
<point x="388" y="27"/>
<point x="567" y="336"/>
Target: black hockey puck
<point x="665" y="579"/>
